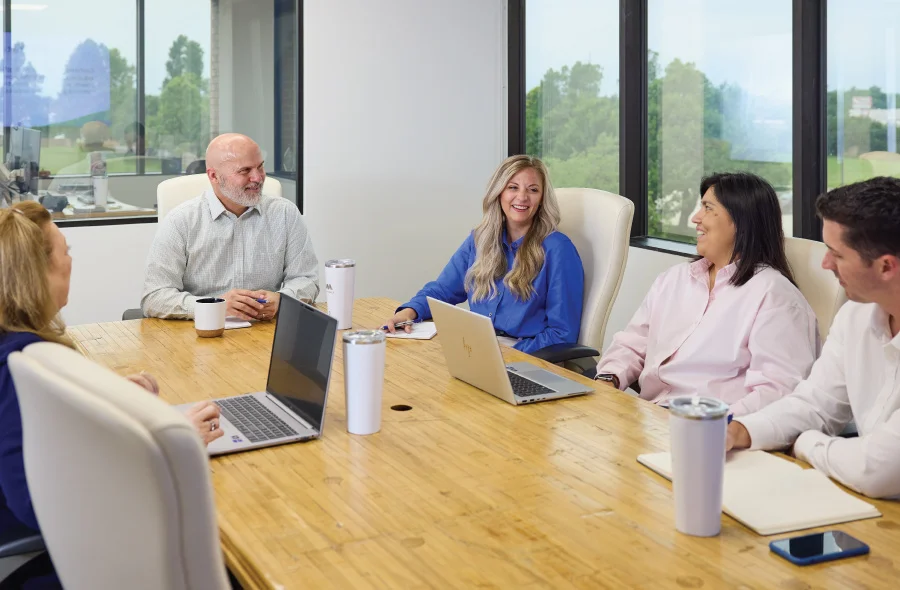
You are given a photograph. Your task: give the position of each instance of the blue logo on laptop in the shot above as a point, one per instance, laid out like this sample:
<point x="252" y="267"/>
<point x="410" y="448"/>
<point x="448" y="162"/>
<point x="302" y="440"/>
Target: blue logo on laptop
<point x="236" y="438"/>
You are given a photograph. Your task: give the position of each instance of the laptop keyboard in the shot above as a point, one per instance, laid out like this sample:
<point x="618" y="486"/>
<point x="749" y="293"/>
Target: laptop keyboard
<point x="253" y="419"/>
<point x="523" y="387"/>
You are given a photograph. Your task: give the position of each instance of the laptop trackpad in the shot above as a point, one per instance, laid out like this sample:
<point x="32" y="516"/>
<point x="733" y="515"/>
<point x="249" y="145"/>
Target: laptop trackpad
<point x="538" y="374"/>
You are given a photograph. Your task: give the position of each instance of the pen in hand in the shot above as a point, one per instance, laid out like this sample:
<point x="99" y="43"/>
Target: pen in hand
<point x="403" y="324"/>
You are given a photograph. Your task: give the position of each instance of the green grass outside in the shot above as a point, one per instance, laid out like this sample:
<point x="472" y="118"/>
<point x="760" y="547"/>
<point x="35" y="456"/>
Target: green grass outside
<point x="855" y="170"/>
<point x="56" y="159"/>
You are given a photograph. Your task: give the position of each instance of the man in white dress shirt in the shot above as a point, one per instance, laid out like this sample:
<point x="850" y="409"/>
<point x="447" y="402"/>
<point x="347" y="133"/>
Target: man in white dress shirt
<point x="858" y="375"/>
<point x="232" y="242"/>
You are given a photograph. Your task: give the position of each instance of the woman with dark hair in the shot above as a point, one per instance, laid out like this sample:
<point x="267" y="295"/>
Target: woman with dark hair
<point x="731" y="324"/>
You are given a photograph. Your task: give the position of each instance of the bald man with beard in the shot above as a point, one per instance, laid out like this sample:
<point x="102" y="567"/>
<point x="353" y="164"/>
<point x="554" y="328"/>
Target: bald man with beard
<point x="232" y="242"/>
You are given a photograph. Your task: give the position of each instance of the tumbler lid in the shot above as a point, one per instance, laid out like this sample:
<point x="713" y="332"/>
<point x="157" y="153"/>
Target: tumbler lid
<point x="364" y="337"/>
<point x="342" y="263"/>
<point x="695" y="407"/>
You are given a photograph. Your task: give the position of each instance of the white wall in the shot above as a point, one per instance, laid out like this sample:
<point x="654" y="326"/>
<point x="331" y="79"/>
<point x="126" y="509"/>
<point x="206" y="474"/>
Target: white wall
<point x="404" y="122"/>
<point x="641" y="270"/>
<point x="107" y="270"/>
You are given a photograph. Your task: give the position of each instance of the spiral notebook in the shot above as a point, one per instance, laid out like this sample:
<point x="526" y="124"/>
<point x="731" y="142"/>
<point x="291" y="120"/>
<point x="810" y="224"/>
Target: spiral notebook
<point x="771" y="495"/>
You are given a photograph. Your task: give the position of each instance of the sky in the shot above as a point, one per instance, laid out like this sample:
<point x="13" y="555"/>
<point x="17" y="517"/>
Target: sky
<point x="52" y="33"/>
<point x="748" y="43"/>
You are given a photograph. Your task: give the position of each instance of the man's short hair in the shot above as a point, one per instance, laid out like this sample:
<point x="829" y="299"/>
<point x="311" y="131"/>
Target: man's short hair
<point x="870" y="212"/>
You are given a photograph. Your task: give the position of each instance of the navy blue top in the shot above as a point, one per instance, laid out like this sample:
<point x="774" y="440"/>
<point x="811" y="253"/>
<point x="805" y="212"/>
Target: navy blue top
<point x="15" y="502"/>
<point x="551" y="316"/>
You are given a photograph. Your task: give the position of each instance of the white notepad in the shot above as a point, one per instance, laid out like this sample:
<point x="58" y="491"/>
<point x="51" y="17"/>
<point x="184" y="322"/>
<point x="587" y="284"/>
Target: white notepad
<point x="232" y="323"/>
<point x="771" y="495"/>
<point x="420" y="331"/>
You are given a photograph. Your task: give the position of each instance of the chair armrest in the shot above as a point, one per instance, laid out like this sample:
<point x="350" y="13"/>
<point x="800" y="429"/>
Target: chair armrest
<point x="19" y="540"/>
<point x="132" y="314"/>
<point x="558" y="353"/>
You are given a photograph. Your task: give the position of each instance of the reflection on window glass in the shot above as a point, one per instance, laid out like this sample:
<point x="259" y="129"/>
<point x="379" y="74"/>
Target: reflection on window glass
<point x="719" y="101"/>
<point x="572" y="80"/>
<point x="180" y="83"/>
<point x="863" y="76"/>
<point x="73" y="79"/>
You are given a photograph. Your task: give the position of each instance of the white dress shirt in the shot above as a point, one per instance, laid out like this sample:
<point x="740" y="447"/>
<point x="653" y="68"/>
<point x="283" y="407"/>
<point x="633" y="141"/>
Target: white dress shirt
<point x="747" y="346"/>
<point x="855" y="378"/>
<point x="201" y="250"/>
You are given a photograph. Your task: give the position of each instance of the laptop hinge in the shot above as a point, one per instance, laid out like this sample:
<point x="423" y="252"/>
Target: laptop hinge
<point x="291" y="412"/>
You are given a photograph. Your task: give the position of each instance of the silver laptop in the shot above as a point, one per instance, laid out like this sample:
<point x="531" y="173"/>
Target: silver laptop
<point x="292" y="408"/>
<point x="473" y="355"/>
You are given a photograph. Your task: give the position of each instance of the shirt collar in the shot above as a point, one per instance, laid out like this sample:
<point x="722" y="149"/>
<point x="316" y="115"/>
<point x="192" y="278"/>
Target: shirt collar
<point x="881" y="327"/>
<point x="216" y="208"/>
<point x="515" y="245"/>
<point x="700" y="271"/>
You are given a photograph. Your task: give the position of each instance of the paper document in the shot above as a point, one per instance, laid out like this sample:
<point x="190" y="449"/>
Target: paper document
<point x="420" y="331"/>
<point x="771" y="495"/>
<point x="232" y="323"/>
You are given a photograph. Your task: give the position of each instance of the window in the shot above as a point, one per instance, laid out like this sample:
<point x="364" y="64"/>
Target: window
<point x="572" y="82"/>
<point x="863" y="92"/>
<point x="73" y="79"/>
<point x="94" y="85"/>
<point x="719" y="100"/>
<point x="179" y="117"/>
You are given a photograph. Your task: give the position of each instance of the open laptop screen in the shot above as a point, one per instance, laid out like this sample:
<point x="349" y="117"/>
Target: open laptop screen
<point x="301" y="359"/>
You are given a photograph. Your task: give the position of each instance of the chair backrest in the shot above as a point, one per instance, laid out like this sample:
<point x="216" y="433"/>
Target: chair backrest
<point x="820" y="287"/>
<point x="599" y="224"/>
<point x="175" y="191"/>
<point x="119" y="479"/>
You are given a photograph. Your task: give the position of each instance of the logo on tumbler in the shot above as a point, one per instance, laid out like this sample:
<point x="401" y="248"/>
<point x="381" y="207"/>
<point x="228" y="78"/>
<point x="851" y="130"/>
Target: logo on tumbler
<point x="329" y="288"/>
<point x="467" y="348"/>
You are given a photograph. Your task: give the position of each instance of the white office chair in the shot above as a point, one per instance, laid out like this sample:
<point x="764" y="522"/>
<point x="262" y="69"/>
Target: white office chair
<point x="119" y="479"/>
<point x="175" y="191"/>
<point x="599" y="224"/>
<point x="820" y="287"/>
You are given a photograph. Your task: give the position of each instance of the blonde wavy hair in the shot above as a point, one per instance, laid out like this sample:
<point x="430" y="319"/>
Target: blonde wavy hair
<point x="26" y="303"/>
<point x="490" y="261"/>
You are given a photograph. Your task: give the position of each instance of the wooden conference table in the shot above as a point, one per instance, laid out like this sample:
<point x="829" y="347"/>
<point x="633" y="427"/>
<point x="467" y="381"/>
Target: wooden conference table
<point x="463" y="490"/>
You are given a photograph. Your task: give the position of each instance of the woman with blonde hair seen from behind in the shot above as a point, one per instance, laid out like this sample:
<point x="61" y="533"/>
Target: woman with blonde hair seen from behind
<point x="35" y="267"/>
<point x="515" y="267"/>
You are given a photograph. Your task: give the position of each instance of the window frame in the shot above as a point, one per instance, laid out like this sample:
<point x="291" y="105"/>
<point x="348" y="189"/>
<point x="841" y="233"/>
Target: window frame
<point x="809" y="34"/>
<point x="140" y="109"/>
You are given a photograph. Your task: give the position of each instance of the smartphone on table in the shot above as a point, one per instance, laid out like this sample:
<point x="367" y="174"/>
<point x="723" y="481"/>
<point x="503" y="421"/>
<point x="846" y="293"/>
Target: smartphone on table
<point x="819" y="547"/>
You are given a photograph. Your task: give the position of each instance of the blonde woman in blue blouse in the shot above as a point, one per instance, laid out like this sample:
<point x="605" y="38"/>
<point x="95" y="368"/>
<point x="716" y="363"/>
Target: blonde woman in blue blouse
<point x="515" y="267"/>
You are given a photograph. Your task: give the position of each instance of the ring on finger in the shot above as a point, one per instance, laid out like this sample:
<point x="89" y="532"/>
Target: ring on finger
<point x="213" y="426"/>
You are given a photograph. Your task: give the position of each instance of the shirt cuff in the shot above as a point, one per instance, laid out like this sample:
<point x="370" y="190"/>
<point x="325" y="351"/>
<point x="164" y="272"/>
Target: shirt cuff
<point x="807" y="443"/>
<point x="421" y="311"/>
<point x="762" y="432"/>
<point x="189" y="303"/>
<point x="611" y="369"/>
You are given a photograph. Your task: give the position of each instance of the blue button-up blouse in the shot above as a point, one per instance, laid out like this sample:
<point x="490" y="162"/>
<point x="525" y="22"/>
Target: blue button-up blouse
<point x="551" y="316"/>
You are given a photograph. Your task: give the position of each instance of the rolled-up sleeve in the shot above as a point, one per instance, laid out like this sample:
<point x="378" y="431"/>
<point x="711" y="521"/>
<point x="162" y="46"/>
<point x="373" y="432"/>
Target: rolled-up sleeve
<point x="164" y="295"/>
<point x="301" y="275"/>
<point x="625" y="356"/>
